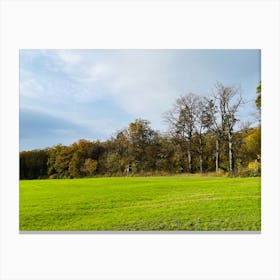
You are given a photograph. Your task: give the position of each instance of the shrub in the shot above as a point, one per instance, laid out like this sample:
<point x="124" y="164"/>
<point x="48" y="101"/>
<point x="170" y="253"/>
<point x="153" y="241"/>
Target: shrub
<point x="53" y="176"/>
<point x="254" y="168"/>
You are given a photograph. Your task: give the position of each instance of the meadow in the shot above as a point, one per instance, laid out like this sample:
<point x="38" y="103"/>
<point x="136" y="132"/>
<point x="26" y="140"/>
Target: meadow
<point x="174" y="203"/>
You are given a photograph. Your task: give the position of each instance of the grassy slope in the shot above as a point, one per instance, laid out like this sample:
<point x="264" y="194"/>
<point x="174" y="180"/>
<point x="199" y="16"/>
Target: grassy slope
<point x="141" y="203"/>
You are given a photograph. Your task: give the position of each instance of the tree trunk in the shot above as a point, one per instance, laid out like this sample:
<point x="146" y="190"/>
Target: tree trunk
<point x="201" y="163"/>
<point x="217" y="155"/>
<point x="230" y="153"/>
<point x="189" y="157"/>
<point x="190" y="161"/>
<point x="200" y="155"/>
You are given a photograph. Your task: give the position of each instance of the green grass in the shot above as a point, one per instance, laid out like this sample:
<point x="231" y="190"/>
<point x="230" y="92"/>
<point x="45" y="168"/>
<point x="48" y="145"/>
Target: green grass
<point x="141" y="203"/>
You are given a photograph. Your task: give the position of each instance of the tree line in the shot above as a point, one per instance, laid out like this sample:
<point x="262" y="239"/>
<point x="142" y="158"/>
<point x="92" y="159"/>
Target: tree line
<point x="202" y="138"/>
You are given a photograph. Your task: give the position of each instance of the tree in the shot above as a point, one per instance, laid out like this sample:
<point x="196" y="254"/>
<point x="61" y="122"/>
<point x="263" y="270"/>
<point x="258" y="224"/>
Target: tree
<point x="167" y="155"/>
<point x="182" y="118"/>
<point x="252" y="143"/>
<point x="53" y="154"/>
<point x="62" y="162"/>
<point x="214" y="127"/>
<point x="120" y="146"/>
<point x="229" y="100"/>
<point x="33" y="164"/>
<point x="89" y="166"/>
<point x="140" y="137"/>
<point x="204" y="122"/>
<point x="81" y="151"/>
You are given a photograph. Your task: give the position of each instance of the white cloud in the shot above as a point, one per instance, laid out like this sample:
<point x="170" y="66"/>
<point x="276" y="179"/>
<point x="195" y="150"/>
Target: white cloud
<point x="97" y="72"/>
<point x="68" y="58"/>
<point x="30" y="87"/>
<point x="136" y="80"/>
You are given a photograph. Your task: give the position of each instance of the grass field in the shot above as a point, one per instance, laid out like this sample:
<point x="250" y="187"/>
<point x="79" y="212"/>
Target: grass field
<point x="141" y="204"/>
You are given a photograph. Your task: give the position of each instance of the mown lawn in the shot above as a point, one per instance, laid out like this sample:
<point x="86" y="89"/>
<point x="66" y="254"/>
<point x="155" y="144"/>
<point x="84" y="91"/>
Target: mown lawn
<point x="141" y="204"/>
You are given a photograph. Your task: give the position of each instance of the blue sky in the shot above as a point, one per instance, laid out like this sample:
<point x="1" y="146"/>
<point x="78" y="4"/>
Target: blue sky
<point x="66" y="95"/>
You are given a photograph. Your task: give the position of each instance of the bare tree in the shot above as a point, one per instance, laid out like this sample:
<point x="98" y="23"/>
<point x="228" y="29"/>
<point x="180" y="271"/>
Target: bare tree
<point x="182" y="119"/>
<point x="213" y="125"/>
<point x="228" y="101"/>
<point x="203" y="124"/>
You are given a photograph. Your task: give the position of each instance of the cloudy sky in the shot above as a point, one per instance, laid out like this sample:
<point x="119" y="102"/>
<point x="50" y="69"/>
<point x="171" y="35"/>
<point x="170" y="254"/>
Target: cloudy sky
<point x="66" y="95"/>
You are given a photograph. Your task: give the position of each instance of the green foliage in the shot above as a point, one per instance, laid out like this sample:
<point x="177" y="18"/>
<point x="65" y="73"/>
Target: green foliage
<point x="141" y="203"/>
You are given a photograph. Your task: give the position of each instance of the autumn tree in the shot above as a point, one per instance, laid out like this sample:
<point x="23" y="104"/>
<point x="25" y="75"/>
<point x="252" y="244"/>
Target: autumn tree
<point x="81" y="150"/>
<point x="120" y="149"/>
<point x="51" y="163"/>
<point x="89" y="167"/>
<point x="62" y="162"/>
<point x="141" y="137"/>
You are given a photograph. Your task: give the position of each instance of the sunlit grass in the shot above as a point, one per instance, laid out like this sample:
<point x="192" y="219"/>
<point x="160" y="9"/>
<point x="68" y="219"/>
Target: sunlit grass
<point x="141" y="204"/>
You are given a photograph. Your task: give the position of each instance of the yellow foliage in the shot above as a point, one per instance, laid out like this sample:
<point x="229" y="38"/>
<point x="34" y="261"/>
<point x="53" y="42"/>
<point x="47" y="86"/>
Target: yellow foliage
<point x="254" y="168"/>
<point x="253" y="142"/>
<point x="254" y="165"/>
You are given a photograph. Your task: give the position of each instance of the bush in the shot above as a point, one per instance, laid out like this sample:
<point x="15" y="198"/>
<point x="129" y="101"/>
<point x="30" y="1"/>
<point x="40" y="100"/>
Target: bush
<point x="53" y="176"/>
<point x="242" y="172"/>
<point x="254" y="168"/>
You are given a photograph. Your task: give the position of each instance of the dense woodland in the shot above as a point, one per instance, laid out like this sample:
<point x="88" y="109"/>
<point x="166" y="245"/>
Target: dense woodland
<point x="204" y="136"/>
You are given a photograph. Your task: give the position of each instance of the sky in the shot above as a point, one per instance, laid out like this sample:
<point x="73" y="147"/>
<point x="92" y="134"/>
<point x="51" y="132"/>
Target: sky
<point x="67" y="95"/>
